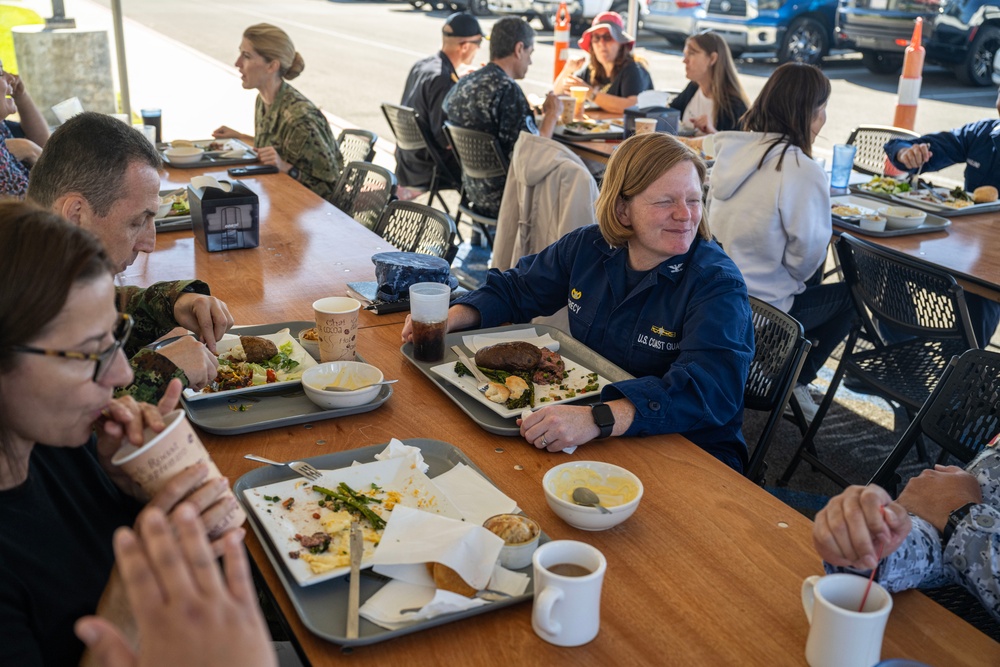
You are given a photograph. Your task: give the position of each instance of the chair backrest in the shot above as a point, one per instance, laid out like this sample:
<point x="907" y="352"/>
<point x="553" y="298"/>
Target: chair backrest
<point x="961" y="415"/>
<point x="363" y="191"/>
<point x="478" y="152"/>
<point x="780" y="349"/>
<point x="414" y="227"/>
<point x="357" y="145"/>
<point x="403" y="123"/>
<point x="870" y="157"/>
<point x="912" y="297"/>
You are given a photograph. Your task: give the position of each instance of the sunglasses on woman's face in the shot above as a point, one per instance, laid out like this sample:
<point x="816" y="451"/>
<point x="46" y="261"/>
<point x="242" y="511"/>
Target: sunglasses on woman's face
<point x="602" y="37"/>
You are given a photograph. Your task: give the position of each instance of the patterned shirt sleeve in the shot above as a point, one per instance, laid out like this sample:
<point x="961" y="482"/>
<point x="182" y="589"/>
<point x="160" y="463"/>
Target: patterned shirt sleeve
<point x="972" y="556"/>
<point x="152" y="372"/>
<point x="152" y="309"/>
<point x="13" y="173"/>
<point x="301" y="134"/>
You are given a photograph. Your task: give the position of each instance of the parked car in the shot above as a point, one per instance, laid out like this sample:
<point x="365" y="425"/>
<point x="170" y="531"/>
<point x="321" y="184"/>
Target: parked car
<point x="798" y="31"/>
<point x="523" y="8"/>
<point x="477" y="7"/>
<point x="674" y="20"/>
<point x="582" y="12"/>
<point x="961" y="34"/>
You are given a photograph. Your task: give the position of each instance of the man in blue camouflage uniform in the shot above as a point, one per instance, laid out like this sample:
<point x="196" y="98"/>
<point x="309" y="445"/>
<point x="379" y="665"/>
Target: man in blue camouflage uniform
<point x="943" y="529"/>
<point x="103" y="175"/>
<point x="489" y="100"/>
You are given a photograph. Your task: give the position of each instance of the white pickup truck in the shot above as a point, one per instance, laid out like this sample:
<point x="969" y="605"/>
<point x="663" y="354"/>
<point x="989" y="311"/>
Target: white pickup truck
<point x="582" y="12"/>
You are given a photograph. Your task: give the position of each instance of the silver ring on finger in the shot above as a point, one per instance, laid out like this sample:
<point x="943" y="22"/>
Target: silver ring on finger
<point x="545" y="443"/>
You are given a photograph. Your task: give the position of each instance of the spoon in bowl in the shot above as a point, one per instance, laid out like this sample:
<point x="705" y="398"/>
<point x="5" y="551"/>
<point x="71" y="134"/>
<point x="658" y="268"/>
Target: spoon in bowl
<point x="334" y="387"/>
<point x="584" y="496"/>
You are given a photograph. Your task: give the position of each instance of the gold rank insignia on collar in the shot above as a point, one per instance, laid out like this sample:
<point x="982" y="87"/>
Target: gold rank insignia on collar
<point x="576" y="294"/>
<point x="663" y="332"/>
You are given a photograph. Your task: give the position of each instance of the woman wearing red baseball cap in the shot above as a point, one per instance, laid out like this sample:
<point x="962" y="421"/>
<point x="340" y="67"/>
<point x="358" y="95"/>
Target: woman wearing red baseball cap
<point x="615" y="76"/>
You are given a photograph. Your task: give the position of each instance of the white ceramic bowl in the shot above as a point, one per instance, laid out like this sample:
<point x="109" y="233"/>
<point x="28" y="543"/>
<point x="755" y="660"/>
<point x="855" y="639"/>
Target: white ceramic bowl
<point x="356" y="372"/>
<point x="559" y="482"/>
<point x="515" y="555"/>
<point x="902" y="217"/>
<point x="872" y="223"/>
<point x="310" y="346"/>
<point x="184" y="154"/>
<point x="163" y="209"/>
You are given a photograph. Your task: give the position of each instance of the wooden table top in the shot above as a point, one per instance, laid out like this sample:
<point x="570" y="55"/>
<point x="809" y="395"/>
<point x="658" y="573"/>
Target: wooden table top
<point x="309" y="249"/>
<point x="708" y="571"/>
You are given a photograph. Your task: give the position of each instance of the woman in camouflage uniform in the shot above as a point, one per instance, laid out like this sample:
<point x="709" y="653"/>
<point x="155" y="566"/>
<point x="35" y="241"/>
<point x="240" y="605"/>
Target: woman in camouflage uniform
<point x="291" y="132"/>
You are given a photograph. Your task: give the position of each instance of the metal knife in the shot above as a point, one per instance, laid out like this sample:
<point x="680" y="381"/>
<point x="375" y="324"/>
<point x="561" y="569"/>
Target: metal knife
<point x="354" y="591"/>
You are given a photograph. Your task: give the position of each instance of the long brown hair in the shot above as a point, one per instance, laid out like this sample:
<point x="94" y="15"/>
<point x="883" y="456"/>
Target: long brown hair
<point x="633" y="167"/>
<point x="726" y="87"/>
<point x="787" y="106"/>
<point x="597" y="75"/>
<point x="41" y="258"/>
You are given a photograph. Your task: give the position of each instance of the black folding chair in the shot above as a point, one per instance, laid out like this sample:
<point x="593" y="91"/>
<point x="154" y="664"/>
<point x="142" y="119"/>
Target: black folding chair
<point x="363" y="191"/>
<point x="870" y="157"/>
<point x="414" y="227"/>
<point x="412" y="136"/>
<point x="480" y="156"/>
<point x="961" y="415"/>
<point x="357" y="145"/>
<point x="780" y="349"/>
<point x="919" y="303"/>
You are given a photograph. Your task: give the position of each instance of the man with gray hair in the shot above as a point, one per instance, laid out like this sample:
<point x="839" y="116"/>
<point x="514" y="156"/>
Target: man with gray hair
<point x="103" y="175"/>
<point x="489" y="100"/>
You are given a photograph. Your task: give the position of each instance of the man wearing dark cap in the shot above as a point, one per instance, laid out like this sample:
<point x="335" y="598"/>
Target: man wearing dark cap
<point x="429" y="81"/>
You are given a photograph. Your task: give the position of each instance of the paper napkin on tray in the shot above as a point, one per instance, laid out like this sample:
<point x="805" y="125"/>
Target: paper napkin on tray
<point x="397" y="449"/>
<point x="475" y="342"/>
<point x="474" y="497"/>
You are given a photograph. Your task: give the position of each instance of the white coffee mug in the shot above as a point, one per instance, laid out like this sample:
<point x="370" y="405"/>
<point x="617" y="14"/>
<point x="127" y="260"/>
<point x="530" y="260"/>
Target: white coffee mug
<point x="568" y="580"/>
<point x="839" y="634"/>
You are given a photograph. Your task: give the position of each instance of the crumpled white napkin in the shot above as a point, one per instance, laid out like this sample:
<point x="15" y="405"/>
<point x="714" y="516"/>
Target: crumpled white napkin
<point x="211" y="182"/>
<point x="475" y="342"/>
<point x="397" y="449"/>
<point x="385" y="606"/>
<point x="473" y="495"/>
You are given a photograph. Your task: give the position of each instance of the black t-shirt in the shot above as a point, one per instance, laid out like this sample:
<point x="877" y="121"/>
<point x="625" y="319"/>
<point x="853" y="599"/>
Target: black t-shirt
<point x="631" y="80"/>
<point x="55" y="553"/>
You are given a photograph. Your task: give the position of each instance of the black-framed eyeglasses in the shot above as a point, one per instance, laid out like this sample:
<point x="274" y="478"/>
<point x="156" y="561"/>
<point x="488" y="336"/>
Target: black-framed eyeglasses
<point x="105" y="359"/>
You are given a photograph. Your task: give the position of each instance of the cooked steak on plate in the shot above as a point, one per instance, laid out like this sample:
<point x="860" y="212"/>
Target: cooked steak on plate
<point x="512" y="357"/>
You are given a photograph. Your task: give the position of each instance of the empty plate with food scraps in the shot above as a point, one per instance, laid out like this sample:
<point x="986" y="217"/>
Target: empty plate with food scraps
<point x="523" y="376"/>
<point x="590" y="126"/>
<point x="255" y="363"/>
<point x="849" y="211"/>
<point x="310" y="522"/>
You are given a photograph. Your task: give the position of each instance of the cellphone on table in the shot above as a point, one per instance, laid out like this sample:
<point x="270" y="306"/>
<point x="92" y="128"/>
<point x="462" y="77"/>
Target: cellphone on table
<point x="253" y="170"/>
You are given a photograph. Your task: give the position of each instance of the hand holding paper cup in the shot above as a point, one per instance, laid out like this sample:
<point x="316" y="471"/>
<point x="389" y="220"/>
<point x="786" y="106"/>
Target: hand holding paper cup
<point x="167" y="453"/>
<point x="337" y="326"/>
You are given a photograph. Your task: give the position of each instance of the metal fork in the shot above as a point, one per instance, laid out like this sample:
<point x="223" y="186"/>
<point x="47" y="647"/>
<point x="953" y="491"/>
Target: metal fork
<point x="484" y="382"/>
<point x="300" y="467"/>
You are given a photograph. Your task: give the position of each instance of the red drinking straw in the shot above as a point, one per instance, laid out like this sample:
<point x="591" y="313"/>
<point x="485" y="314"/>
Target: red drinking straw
<point x="871" y="577"/>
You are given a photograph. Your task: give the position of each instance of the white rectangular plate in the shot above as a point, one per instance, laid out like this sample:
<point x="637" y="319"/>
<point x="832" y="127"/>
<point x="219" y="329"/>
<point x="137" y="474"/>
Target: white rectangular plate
<point x="415" y="488"/>
<point x="279" y="338"/>
<point x="576" y="378"/>
<point x="921" y="199"/>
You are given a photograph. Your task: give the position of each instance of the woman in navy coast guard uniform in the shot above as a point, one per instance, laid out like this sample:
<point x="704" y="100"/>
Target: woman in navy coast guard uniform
<point x="648" y="289"/>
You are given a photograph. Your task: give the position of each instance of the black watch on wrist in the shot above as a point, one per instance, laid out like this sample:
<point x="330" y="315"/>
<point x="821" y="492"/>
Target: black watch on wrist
<point x="604" y="418"/>
<point x="954" y="519"/>
<point x="294" y="173"/>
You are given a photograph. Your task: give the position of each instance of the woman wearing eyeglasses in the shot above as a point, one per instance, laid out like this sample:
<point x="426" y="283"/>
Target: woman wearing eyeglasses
<point x="60" y="500"/>
<point x="715" y="100"/>
<point x="614" y="75"/>
<point x="291" y="133"/>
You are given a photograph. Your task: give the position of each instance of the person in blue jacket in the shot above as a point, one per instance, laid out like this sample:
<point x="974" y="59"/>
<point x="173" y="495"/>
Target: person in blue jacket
<point x="648" y="289"/>
<point x="978" y="146"/>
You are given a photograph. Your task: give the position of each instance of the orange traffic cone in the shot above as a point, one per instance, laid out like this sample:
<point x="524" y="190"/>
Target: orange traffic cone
<point x="909" y="81"/>
<point x="560" y="38"/>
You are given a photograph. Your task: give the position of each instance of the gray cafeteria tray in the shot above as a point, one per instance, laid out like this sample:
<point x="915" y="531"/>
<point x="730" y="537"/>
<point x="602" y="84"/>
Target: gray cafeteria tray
<point x="287" y="405"/>
<point x="210" y="160"/>
<point x="932" y="223"/>
<point x="172" y="223"/>
<point x="950" y="212"/>
<point x="323" y="606"/>
<point x="569" y="347"/>
<point x="561" y="133"/>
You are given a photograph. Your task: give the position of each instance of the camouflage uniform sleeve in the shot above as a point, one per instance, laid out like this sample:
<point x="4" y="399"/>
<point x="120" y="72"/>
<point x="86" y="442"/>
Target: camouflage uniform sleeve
<point x="513" y="115"/>
<point x="153" y="372"/>
<point x="152" y="309"/>
<point x="305" y="140"/>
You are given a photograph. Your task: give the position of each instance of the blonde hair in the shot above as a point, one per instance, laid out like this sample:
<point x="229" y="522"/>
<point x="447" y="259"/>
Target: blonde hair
<point x="633" y="167"/>
<point x="273" y="43"/>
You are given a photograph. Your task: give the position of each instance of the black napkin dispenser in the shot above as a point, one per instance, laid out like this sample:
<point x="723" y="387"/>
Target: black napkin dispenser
<point x="225" y="220"/>
<point x="667" y="119"/>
